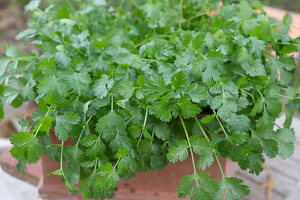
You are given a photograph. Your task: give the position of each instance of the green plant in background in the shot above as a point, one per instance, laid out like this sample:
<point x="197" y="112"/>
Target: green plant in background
<point x="127" y="80"/>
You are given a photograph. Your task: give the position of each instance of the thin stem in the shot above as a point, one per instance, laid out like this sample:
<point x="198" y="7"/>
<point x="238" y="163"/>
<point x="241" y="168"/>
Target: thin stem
<point x="37" y="131"/>
<point x="96" y="165"/>
<point x="219" y="121"/>
<point x="135" y="114"/>
<point x="144" y="126"/>
<point x="29" y="57"/>
<point x="201" y="128"/>
<point x="83" y="130"/>
<point x="61" y="156"/>
<point x="151" y="38"/>
<point x="121" y="4"/>
<point x="135" y="4"/>
<point x="286" y="43"/>
<point x="218" y="161"/>
<point x="214" y="151"/>
<point x="262" y="97"/>
<point x="70" y="5"/>
<point x="117" y="163"/>
<point x="181" y="14"/>
<point x="248" y="93"/>
<point x="198" y="15"/>
<point x="189" y="143"/>
<point x="202" y="56"/>
<point x="277" y="125"/>
<point x="112" y="102"/>
<point x="288" y="97"/>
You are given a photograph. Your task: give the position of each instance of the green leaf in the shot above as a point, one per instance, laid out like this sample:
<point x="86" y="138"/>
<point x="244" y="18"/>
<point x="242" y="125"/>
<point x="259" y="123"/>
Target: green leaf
<point x="56" y="172"/>
<point x="178" y="81"/>
<point x="253" y="67"/>
<point x="201" y="194"/>
<point x="178" y="152"/>
<point x="65" y="124"/>
<point x="109" y="177"/>
<point x="52" y="84"/>
<point x="233" y="189"/>
<point x="102" y="86"/>
<point x="286" y="139"/>
<point x="208" y="118"/>
<point x="88" y="187"/>
<point x="245" y="10"/>
<point x="273" y="105"/>
<point x="120" y="141"/>
<point x="33" y="4"/>
<point x="72" y="173"/>
<point x="12" y="51"/>
<point x="287" y="19"/>
<point x="94" y="144"/>
<point x="110" y="125"/>
<point x="258" y="107"/>
<point x="44" y="125"/>
<point x="10" y="94"/>
<point x="280" y="69"/>
<point x="62" y="60"/>
<point x="197" y="93"/>
<point x="122" y="152"/>
<point x="79" y="82"/>
<point x="21" y="166"/>
<point x="3" y="65"/>
<point x="205" y="150"/>
<point x="186" y="186"/>
<point x="162" y="131"/>
<point x="188" y="109"/>
<point x="26" y="148"/>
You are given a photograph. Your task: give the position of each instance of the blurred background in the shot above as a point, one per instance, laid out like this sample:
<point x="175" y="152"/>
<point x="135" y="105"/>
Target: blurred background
<point x="279" y="181"/>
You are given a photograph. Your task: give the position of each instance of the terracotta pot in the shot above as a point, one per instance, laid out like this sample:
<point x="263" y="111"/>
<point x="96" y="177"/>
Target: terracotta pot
<point x="153" y="185"/>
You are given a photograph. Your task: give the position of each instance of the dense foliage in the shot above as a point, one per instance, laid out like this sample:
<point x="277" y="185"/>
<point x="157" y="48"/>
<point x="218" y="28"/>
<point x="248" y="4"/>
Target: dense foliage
<point x="136" y="84"/>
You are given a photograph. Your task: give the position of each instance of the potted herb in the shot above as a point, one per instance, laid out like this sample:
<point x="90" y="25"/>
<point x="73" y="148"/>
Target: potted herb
<point x="135" y="84"/>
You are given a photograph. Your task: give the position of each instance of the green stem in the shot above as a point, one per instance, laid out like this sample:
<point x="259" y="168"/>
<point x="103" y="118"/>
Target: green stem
<point x="61" y="157"/>
<point x="135" y="4"/>
<point x="219" y="121"/>
<point x="144" y="126"/>
<point x="96" y="165"/>
<point x="214" y="151"/>
<point x="262" y="97"/>
<point x="112" y="102"/>
<point x="117" y="163"/>
<point x="121" y="5"/>
<point x="286" y="43"/>
<point x="135" y="114"/>
<point x="198" y="15"/>
<point x="83" y="129"/>
<point x="220" y="166"/>
<point x="290" y="98"/>
<point x="189" y="143"/>
<point x="71" y="6"/>
<point x="37" y="131"/>
<point x="181" y="14"/>
<point x="151" y="38"/>
<point x="29" y="57"/>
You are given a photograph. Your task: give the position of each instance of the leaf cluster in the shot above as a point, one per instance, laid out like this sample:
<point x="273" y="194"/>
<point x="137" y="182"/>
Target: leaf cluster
<point x="135" y="84"/>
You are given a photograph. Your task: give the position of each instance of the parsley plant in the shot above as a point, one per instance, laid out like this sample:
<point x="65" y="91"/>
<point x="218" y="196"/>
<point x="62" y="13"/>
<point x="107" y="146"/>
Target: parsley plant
<point x="138" y="83"/>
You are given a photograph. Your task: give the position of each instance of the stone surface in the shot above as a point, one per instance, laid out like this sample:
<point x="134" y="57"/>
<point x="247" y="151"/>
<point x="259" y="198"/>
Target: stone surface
<point x="8" y="164"/>
<point x="279" y="14"/>
<point x="12" y="188"/>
